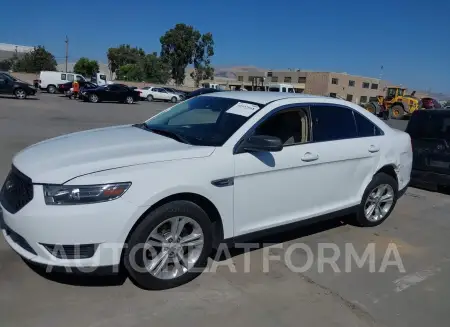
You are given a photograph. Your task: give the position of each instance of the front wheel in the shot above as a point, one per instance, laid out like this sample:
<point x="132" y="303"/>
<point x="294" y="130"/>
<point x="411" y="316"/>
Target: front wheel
<point x="396" y="112"/>
<point x="20" y="94"/>
<point x="150" y="98"/>
<point x="170" y="247"/>
<point x="93" y="98"/>
<point x="378" y="201"/>
<point x="173" y="100"/>
<point x="129" y="100"/>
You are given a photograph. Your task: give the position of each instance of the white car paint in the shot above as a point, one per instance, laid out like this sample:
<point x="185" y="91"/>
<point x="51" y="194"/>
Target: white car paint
<point x="285" y="190"/>
<point x="158" y="93"/>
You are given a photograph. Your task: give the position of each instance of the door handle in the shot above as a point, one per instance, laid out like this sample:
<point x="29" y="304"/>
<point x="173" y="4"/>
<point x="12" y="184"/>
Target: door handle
<point x="308" y="156"/>
<point x="373" y="149"/>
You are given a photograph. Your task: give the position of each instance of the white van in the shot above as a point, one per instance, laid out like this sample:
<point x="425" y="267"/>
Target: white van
<point x="213" y="86"/>
<point x="289" y="88"/>
<point x="49" y="80"/>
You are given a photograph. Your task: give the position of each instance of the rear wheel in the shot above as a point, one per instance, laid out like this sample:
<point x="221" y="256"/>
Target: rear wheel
<point x="170" y="247"/>
<point x="396" y="112"/>
<point x="51" y="89"/>
<point x="378" y="201"/>
<point x="20" y="93"/>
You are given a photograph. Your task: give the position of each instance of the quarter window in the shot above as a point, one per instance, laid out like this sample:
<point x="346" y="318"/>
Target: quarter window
<point x="365" y="127"/>
<point x="332" y="123"/>
<point x="290" y="126"/>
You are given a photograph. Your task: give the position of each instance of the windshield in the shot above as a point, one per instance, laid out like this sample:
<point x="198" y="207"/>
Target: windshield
<point x="205" y="120"/>
<point x="430" y="126"/>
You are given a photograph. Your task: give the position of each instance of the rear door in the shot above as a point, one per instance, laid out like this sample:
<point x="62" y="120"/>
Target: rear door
<point x="430" y="135"/>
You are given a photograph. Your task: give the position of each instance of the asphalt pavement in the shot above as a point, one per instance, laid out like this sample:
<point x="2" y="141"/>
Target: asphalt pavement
<point x="382" y="292"/>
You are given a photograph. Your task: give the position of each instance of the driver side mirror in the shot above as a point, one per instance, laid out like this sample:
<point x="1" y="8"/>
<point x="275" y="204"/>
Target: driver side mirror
<point x="262" y="143"/>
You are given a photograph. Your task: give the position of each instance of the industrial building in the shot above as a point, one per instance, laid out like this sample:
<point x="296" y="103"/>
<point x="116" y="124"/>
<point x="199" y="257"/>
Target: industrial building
<point x="352" y="88"/>
<point x="7" y="51"/>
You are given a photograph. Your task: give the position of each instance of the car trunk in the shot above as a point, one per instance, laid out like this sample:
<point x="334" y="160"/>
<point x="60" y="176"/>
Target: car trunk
<point x="430" y="136"/>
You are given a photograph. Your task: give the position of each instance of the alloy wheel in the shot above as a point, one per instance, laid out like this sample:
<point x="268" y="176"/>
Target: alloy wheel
<point x="379" y="202"/>
<point x="173" y="247"/>
<point x="20" y="94"/>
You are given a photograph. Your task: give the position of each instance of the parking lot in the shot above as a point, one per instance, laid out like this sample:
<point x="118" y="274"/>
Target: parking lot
<point x="262" y="295"/>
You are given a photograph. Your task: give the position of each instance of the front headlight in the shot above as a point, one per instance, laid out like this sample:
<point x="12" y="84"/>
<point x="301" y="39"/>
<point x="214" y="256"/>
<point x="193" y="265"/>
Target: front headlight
<point x="83" y="194"/>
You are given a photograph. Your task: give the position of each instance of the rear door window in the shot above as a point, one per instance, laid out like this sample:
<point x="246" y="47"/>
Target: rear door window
<point x="365" y="127"/>
<point x="332" y="123"/>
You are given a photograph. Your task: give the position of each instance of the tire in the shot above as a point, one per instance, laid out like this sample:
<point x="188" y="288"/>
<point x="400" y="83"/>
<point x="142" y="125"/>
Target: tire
<point x="174" y="100"/>
<point x="20" y="93"/>
<point x="379" y="181"/>
<point x="129" y="100"/>
<point x="51" y="89"/>
<point x="372" y="108"/>
<point x="396" y="112"/>
<point x="93" y="98"/>
<point x="150" y="98"/>
<point x="157" y="219"/>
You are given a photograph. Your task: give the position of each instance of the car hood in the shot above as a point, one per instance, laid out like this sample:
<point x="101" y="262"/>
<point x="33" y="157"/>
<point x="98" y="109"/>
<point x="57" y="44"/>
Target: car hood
<point x="65" y="157"/>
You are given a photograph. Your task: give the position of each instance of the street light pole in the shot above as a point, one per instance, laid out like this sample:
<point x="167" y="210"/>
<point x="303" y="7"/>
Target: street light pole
<point x="67" y="51"/>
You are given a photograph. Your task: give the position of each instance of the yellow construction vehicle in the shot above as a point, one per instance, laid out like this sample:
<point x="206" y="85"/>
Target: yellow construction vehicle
<point x="396" y="104"/>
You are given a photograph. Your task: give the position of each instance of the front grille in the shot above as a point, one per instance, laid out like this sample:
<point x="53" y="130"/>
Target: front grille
<point x="79" y="251"/>
<point x="17" y="191"/>
<point x="19" y="240"/>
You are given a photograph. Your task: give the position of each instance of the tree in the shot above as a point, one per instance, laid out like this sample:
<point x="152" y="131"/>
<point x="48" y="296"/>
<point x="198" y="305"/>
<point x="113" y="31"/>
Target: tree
<point x="179" y="48"/>
<point x="130" y="72"/>
<point x="35" y="61"/>
<point x="86" y="67"/>
<point x="7" y="64"/>
<point x="202" y="59"/>
<point x="155" y="70"/>
<point x="123" y="55"/>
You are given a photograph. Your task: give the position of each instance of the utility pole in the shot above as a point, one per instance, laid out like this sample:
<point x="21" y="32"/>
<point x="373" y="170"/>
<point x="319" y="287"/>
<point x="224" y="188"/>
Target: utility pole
<point x="67" y="50"/>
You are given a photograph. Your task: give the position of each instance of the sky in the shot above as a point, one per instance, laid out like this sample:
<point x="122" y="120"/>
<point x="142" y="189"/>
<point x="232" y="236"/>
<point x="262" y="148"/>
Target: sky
<point x="410" y="39"/>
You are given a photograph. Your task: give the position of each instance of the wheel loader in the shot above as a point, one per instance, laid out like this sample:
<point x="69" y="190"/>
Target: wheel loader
<point x="396" y="104"/>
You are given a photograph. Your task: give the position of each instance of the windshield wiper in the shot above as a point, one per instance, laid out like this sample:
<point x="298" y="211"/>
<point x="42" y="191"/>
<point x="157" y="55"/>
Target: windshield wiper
<point x="176" y="136"/>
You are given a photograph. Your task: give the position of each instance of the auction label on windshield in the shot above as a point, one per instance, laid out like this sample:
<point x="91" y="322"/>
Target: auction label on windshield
<point x="243" y="109"/>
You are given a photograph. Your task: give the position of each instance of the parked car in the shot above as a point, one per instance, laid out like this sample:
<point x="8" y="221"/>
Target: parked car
<point x="48" y="80"/>
<point x="172" y="90"/>
<point x="111" y="93"/>
<point x="13" y="86"/>
<point x="217" y="167"/>
<point x="430" y="103"/>
<point x="159" y="93"/>
<point x="430" y="135"/>
<point x="66" y="88"/>
<point x="201" y="91"/>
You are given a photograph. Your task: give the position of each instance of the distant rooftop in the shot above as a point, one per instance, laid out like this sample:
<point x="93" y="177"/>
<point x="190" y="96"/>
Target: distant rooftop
<point x="14" y="47"/>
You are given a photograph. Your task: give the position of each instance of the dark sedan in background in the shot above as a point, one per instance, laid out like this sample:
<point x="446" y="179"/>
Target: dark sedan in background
<point x="65" y="88"/>
<point x="200" y="92"/>
<point x="111" y="93"/>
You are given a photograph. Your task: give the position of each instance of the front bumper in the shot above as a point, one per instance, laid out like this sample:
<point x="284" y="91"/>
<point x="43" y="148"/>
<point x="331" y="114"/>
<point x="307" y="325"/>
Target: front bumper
<point x="33" y="228"/>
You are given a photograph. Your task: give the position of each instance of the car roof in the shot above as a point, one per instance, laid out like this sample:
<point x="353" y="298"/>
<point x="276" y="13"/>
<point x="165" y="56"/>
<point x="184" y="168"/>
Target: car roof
<point x="264" y="98"/>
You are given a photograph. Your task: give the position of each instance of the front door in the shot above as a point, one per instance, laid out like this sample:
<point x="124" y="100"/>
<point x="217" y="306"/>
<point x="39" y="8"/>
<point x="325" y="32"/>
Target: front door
<point x="275" y="188"/>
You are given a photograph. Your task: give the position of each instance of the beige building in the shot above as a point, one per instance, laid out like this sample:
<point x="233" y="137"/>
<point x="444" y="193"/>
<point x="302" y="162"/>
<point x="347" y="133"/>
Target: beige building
<point x="353" y="88"/>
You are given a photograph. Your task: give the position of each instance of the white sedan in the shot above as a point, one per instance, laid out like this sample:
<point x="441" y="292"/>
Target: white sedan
<point x="159" y="93"/>
<point x="156" y="197"/>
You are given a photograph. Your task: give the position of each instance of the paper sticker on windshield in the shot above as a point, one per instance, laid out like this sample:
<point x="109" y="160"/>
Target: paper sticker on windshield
<point x="243" y="109"/>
